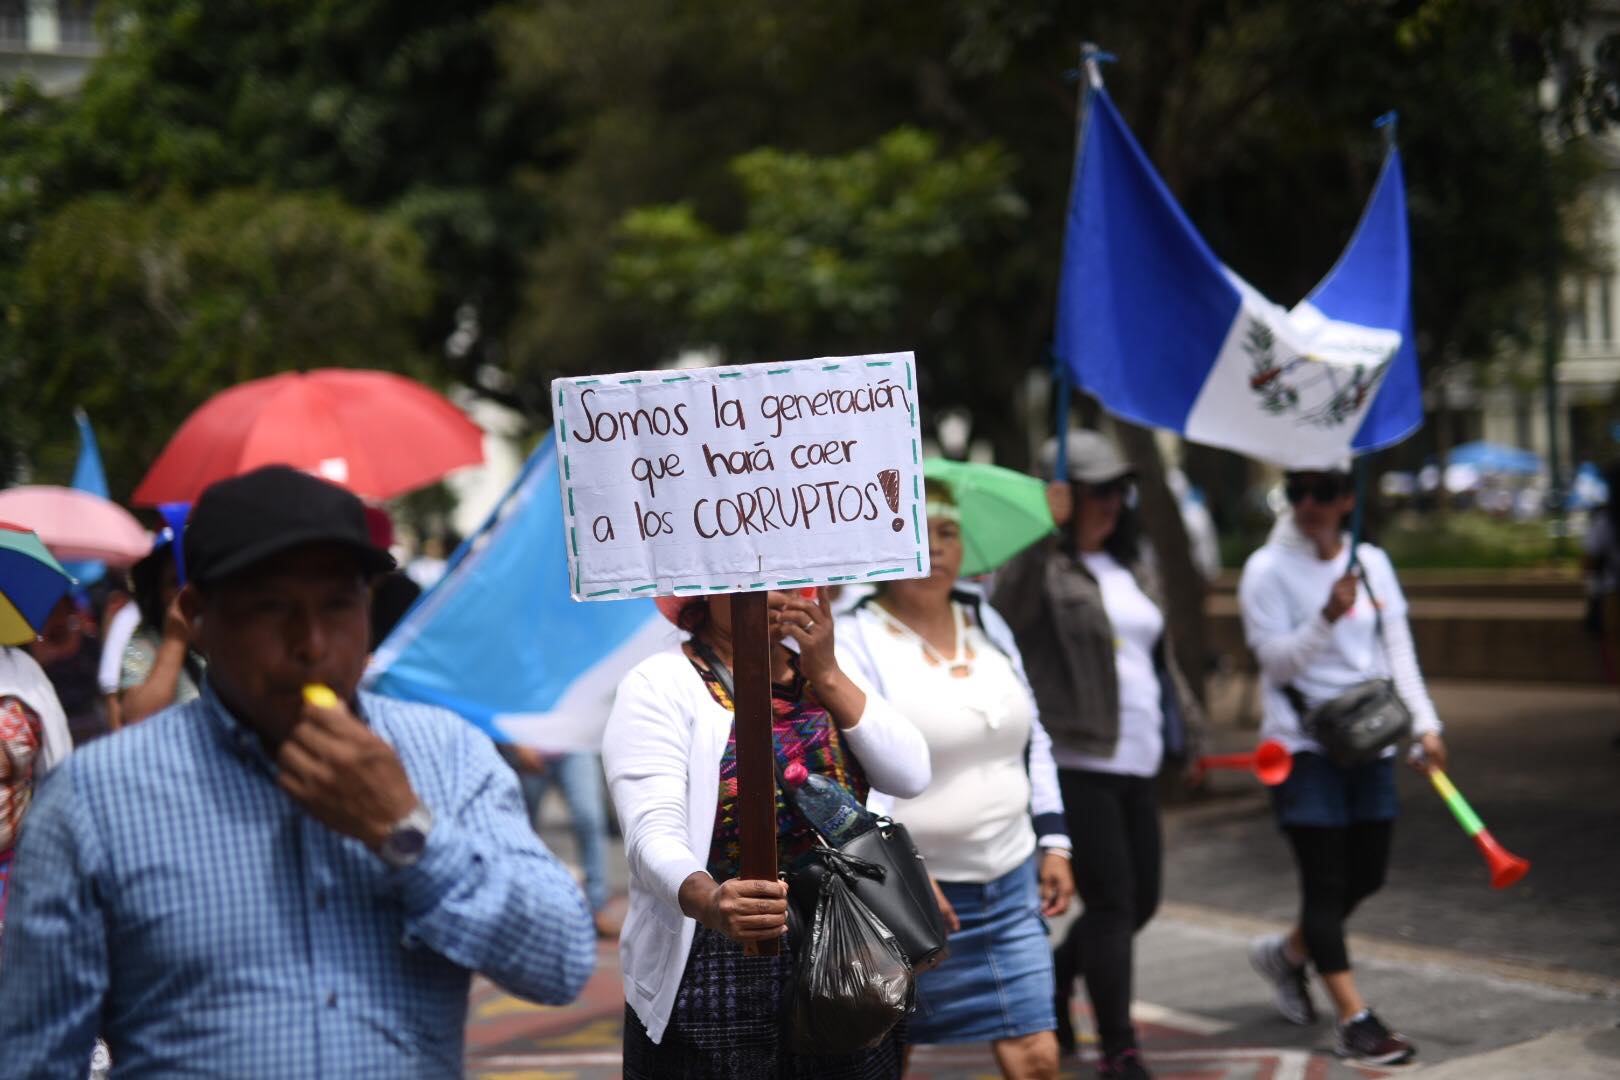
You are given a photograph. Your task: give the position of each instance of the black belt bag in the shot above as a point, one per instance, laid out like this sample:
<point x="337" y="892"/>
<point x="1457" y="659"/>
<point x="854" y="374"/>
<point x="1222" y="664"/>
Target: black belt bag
<point x="1359" y="724"/>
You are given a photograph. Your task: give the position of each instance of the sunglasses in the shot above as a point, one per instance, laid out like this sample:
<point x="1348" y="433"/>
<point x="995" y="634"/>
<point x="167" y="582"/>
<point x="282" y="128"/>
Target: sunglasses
<point x="1120" y="487"/>
<point x="1323" y="489"/>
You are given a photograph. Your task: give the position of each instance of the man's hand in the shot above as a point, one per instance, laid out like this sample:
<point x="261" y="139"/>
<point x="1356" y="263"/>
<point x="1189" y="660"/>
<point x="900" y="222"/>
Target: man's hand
<point x="1057" y="884"/>
<point x="344" y="775"/>
<point x="743" y="910"/>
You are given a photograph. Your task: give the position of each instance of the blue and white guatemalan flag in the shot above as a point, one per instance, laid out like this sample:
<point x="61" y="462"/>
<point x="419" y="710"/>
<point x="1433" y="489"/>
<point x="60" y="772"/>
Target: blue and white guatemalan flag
<point x="88" y="475"/>
<point x="499" y="640"/>
<point x="1155" y="327"/>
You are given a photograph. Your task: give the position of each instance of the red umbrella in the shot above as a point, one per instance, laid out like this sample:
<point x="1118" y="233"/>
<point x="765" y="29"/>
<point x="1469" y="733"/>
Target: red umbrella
<point x="77" y="524"/>
<point x="377" y="434"/>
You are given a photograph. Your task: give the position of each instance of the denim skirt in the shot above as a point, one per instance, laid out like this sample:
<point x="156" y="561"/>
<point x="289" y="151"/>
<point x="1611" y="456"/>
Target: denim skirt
<point x="997" y="981"/>
<point x="1325" y="795"/>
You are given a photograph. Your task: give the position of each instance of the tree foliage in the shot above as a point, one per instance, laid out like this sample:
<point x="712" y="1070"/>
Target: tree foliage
<point x="139" y="312"/>
<point x="596" y="185"/>
<point x="833" y="253"/>
<point x="390" y="119"/>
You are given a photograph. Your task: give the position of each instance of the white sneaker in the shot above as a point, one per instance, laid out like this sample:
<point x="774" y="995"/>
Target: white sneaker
<point x="1290" y="993"/>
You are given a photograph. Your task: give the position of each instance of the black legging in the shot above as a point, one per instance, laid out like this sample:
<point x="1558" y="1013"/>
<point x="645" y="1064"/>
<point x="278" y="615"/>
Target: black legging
<point x="1338" y="869"/>
<point x="1114" y="826"/>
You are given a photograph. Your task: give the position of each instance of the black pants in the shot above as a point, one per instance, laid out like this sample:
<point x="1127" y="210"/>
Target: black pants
<point x="1338" y="869"/>
<point x="1114" y="826"/>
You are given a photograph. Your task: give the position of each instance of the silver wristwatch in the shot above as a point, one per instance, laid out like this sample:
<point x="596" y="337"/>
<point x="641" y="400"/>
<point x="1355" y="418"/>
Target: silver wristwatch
<point x="406" y="841"/>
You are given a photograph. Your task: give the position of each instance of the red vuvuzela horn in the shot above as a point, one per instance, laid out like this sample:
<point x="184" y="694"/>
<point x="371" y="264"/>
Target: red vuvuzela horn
<point x="1270" y="762"/>
<point x="1505" y="867"/>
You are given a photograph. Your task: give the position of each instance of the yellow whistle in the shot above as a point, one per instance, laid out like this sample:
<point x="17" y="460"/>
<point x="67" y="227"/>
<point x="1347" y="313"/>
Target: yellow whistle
<point x="320" y="696"/>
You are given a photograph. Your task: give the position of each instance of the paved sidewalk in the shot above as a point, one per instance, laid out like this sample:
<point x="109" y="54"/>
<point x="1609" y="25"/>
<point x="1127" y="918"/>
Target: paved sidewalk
<point x="1490" y="985"/>
<point x="1202" y="1014"/>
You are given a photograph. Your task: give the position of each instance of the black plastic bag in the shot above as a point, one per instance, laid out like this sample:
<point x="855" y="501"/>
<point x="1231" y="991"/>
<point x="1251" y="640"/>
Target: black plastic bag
<point x="852" y="983"/>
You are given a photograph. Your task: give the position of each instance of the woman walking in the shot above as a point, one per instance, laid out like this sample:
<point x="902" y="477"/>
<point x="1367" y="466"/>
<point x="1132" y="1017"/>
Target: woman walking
<point x="949" y="664"/>
<point x="697" y="1004"/>
<point x="1322" y="619"/>
<point x="1084" y="608"/>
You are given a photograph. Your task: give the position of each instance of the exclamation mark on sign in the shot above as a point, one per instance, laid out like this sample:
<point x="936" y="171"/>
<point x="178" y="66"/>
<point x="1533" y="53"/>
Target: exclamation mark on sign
<point x="889" y="480"/>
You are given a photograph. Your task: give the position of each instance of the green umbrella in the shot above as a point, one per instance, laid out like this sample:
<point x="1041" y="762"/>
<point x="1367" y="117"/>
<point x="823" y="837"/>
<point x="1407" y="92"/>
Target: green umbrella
<point x="1003" y="512"/>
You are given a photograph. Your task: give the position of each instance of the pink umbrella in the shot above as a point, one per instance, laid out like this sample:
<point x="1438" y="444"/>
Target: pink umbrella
<point x="76" y="524"/>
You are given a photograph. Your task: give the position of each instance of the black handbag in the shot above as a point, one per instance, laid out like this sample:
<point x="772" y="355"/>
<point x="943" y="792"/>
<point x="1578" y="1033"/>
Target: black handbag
<point x="1356" y="726"/>
<point x="900" y="895"/>
<point x="883" y="868"/>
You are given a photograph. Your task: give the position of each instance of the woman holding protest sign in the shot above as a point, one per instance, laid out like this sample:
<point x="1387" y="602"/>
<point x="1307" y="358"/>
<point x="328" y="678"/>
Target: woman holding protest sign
<point x="991" y="823"/>
<point x="1323" y="620"/>
<point x="1084" y="609"/>
<point x="698" y="1005"/>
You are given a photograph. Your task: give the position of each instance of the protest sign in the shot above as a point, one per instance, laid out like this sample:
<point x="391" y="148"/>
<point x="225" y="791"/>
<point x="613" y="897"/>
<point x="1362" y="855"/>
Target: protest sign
<point x="741" y="479"/>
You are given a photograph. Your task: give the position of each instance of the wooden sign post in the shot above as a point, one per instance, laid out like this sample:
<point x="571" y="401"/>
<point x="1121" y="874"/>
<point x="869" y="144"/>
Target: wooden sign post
<point x="743" y="480"/>
<point x="756" y="767"/>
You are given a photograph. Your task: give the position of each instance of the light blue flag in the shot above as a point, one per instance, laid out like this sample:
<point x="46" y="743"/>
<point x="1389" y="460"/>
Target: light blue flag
<point x="1154" y="326"/>
<point x="88" y="475"/>
<point x="499" y="640"/>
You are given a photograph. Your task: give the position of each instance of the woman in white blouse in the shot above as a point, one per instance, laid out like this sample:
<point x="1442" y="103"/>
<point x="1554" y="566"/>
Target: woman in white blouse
<point x="991" y="823"/>
<point x="1320" y="622"/>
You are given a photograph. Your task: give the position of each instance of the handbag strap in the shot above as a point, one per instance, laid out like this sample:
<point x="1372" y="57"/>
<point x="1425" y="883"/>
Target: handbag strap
<point x="729" y="684"/>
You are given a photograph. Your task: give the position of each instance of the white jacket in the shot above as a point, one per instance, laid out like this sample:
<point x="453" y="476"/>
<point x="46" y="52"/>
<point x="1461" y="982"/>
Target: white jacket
<point x="1282" y="592"/>
<point x="662" y="750"/>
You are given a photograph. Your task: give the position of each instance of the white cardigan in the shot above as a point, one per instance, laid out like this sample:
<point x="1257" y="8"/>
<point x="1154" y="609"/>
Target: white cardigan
<point x="662" y="749"/>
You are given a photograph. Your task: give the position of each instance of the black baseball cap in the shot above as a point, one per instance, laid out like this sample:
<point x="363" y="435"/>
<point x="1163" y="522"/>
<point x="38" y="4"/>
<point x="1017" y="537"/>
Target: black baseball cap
<point x="246" y="519"/>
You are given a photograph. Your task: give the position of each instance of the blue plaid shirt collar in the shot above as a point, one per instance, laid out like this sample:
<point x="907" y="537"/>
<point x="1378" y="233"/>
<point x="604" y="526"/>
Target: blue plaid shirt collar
<point x="240" y="739"/>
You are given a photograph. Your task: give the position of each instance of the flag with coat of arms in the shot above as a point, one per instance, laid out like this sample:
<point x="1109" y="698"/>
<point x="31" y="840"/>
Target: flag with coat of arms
<point x="1155" y="327"/>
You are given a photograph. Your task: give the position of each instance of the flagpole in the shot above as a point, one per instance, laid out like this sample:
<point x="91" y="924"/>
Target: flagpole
<point x="1387" y="123"/>
<point x="1091" y="60"/>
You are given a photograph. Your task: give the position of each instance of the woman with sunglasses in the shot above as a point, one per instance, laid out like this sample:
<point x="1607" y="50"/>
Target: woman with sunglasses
<point x="1086" y="614"/>
<point x="1320" y="620"/>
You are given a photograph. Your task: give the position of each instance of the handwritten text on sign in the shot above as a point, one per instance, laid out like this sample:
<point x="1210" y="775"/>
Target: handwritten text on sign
<point x="735" y="479"/>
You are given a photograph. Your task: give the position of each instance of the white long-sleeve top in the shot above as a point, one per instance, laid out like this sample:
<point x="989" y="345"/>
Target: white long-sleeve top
<point x="874" y="652"/>
<point x="662" y="749"/>
<point x="1282" y="592"/>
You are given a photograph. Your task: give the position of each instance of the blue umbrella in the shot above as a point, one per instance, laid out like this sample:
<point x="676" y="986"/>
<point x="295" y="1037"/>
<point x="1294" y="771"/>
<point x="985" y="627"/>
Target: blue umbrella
<point x="1490" y="457"/>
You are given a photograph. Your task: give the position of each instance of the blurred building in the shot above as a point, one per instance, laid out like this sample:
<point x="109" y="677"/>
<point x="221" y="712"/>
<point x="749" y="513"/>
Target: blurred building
<point x="1508" y="403"/>
<point x="52" y="41"/>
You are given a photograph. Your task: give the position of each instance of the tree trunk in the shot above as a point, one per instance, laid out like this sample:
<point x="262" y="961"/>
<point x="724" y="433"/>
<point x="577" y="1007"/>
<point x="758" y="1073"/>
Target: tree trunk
<point x="1183" y="584"/>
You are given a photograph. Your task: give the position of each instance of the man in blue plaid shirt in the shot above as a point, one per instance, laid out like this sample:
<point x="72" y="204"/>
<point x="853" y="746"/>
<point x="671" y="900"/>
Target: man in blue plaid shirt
<point x="286" y="877"/>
